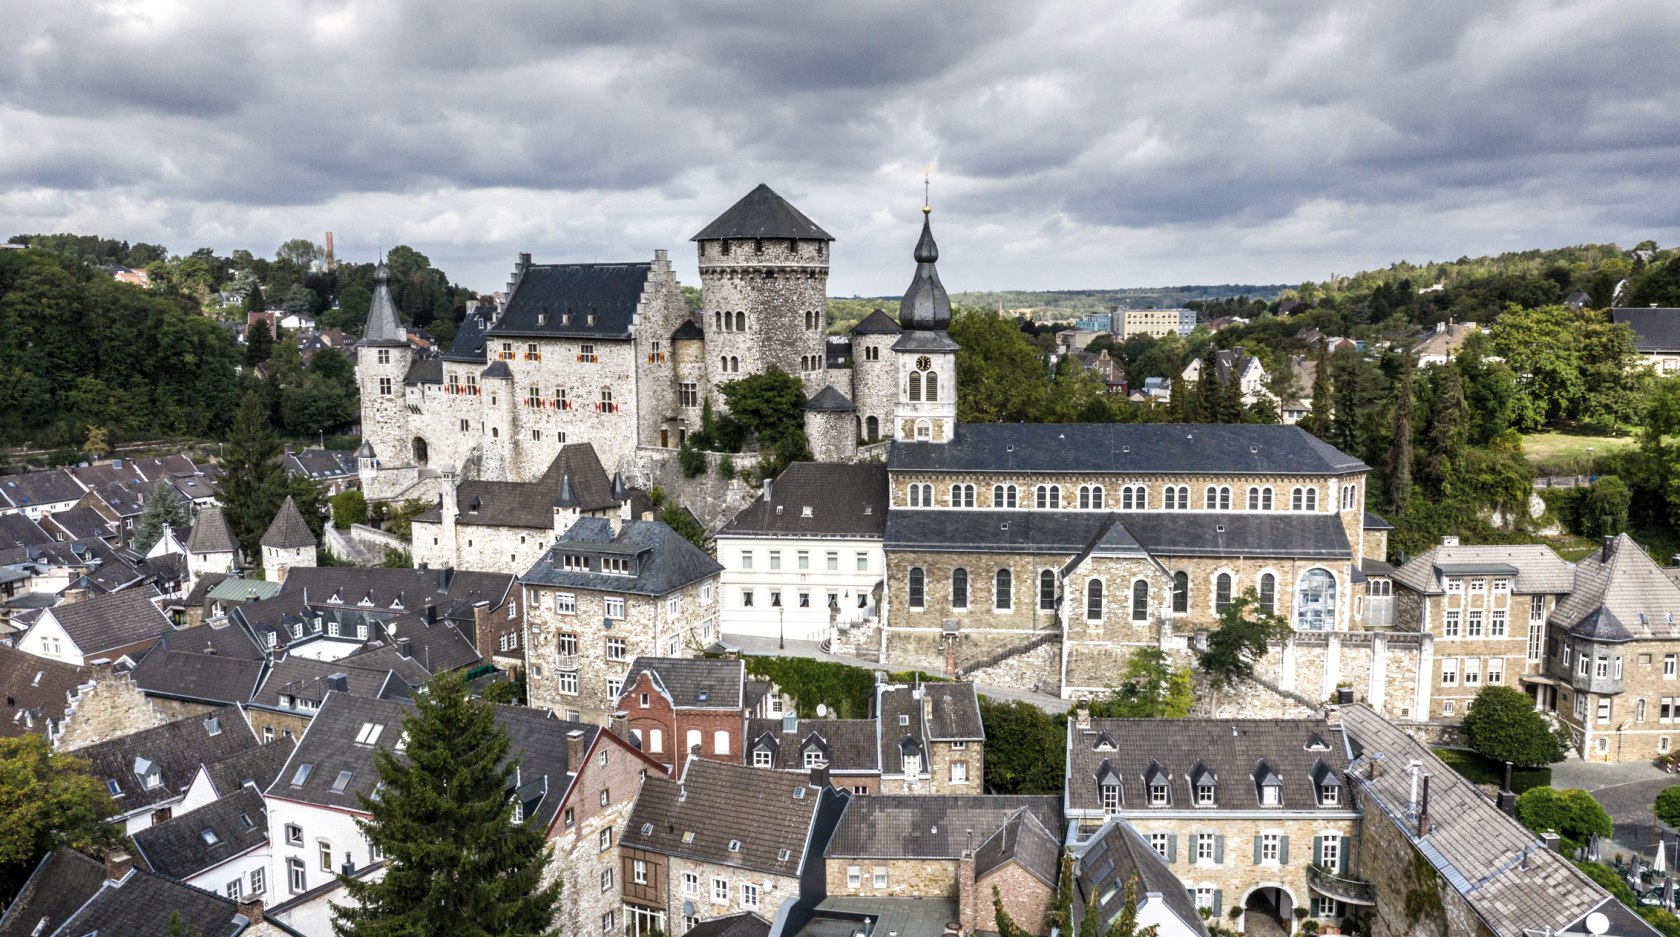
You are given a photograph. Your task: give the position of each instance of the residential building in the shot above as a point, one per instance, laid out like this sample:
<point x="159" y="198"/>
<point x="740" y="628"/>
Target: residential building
<point x="676" y="708"/>
<point x="221" y="847"/>
<point x="83" y="630"/>
<point x="72" y="895"/>
<point x="1157" y="322"/>
<point x="38" y="691"/>
<point x="1656" y="335"/>
<point x="1439" y="345"/>
<point x="38" y="494"/>
<point x="148" y="772"/>
<point x="1245" y="370"/>
<point x="1116" y="857"/>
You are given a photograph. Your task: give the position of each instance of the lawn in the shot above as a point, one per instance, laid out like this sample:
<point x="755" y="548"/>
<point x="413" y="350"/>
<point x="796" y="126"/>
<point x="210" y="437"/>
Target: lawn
<point x="1562" y="450"/>
<point x="1484" y="771"/>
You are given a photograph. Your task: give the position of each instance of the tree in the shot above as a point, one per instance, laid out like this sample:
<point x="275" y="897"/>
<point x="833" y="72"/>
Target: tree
<point x="1604" y="507"/>
<point x="1150" y="687"/>
<point x="1400" y="453"/>
<point x="1501" y="725"/>
<point x="253" y="483"/>
<point x="1025" y="748"/>
<point x="311" y="500"/>
<point x="770" y="405"/>
<point x="254" y="301"/>
<point x="1209" y="388"/>
<point x="444" y="820"/>
<point x="97" y="444"/>
<point x="676" y="517"/>
<point x="1447" y="412"/>
<point x="1667" y="805"/>
<point x="1001" y="375"/>
<point x="349" y="507"/>
<point x="1317" y="420"/>
<point x="1573" y="813"/>
<point x="178" y="927"/>
<point x="163" y="509"/>
<point x="1244" y="635"/>
<point x="47" y="799"/>
<point x="259" y="343"/>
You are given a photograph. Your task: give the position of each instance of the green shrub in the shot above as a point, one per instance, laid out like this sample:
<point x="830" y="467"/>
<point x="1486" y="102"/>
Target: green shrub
<point x="726" y="468"/>
<point x="349" y="507"/>
<point x="692" y="461"/>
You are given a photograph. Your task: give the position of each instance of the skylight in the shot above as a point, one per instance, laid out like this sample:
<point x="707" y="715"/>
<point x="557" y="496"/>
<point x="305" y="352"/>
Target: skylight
<point x="369" y="733"/>
<point x="341" y="782"/>
<point x="209" y="836"/>
<point x="302" y="774"/>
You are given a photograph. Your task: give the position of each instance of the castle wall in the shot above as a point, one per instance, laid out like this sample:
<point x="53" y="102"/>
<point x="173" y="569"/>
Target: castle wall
<point x="833" y="435"/>
<point x="782" y="288"/>
<point x="874" y="385"/>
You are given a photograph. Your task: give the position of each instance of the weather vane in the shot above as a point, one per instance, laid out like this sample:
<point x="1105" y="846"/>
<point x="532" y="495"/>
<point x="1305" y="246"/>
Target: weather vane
<point x="927" y="176"/>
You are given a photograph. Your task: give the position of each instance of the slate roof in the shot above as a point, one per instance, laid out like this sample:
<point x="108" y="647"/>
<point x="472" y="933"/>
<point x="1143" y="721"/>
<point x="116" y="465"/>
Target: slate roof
<point x="845" y="500"/>
<point x="62" y="882"/>
<point x="954" y="714"/>
<point x="424" y="370"/>
<point x="1126" y="448"/>
<point x="662" y="563"/>
<point x="830" y="400"/>
<point x="468" y="345"/>
<point x="1236" y="751"/>
<point x="177" y="749"/>
<point x="434" y="647"/>
<point x="257" y="766"/>
<point x="762" y="213"/>
<point x="705" y="809"/>
<point x="1654" y="330"/>
<point x="106" y="568"/>
<point x="931" y="826"/>
<point x="221" y="638"/>
<point x="1190" y="533"/>
<point x="17" y="530"/>
<point x="1023" y="839"/>
<point x="32" y="489"/>
<point x="925" y="305"/>
<point x="317" y="464"/>
<point x="79" y="523"/>
<point x="1620" y="595"/>
<point x="1109" y="859"/>
<point x="143" y="905"/>
<point x="1375" y="522"/>
<point x="877" y="323"/>
<point x="197" y="676"/>
<point x="849" y="746"/>
<point x="693" y="682"/>
<point x="531" y="504"/>
<point x="202" y="839"/>
<point x="306" y="678"/>
<point x="743" y="924"/>
<point x="1476" y="847"/>
<point x="1535" y="568"/>
<point x="564" y="296"/>
<point x="105" y="622"/>
<point x="384" y="328"/>
<point x="324" y="584"/>
<point x="288" y="530"/>
<point x="36" y="691"/>
<point x="688" y="331"/>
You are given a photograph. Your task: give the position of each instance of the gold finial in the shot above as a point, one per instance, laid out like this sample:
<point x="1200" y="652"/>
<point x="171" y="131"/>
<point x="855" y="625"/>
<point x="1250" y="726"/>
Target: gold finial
<point x="927" y="176"/>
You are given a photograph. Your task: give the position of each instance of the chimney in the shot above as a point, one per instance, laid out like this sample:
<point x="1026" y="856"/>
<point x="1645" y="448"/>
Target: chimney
<point x="1551" y="840"/>
<point x="1609" y="551"/>
<point x="790" y="723"/>
<point x="117" y="865"/>
<point x="72" y="595"/>
<point x="574" y="748"/>
<point x="1423" y="810"/>
<point x="1082" y="715"/>
<point x="252" y="909"/>
<point x="967" y="913"/>
<point x="767" y="490"/>
<point x="819" y="778"/>
<point x="1507" y="800"/>
<point x="339" y="682"/>
<point x="405" y="647"/>
<point x="619" y="724"/>
<point x="1449" y="541"/>
<point x="1374" y="766"/>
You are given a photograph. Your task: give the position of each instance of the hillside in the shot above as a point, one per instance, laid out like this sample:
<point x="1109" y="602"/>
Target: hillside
<point x="1061" y="305"/>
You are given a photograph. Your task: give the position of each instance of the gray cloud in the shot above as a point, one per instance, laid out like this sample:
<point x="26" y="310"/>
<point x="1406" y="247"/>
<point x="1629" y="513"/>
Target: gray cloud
<point x="1209" y="140"/>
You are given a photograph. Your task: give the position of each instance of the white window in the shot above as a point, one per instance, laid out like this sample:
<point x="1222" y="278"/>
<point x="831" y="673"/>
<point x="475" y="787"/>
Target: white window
<point x="615" y="606"/>
<point x="1204" y="795"/>
<point x="605" y="839"/>
<point x="1601" y="666"/>
<point x="720" y="891"/>
<point x="1668" y="666"/>
<point x="1496" y="670"/>
<point x="720" y="742"/>
<point x="854" y="877"/>
<point x="693" y="740"/>
<point x="1496" y="623"/>
<point x="1580" y="705"/>
<point x="294" y="835"/>
<point x="638" y="871"/>
<point x="607" y="924"/>
<point x="233" y="888"/>
<point x="567" y="682"/>
<point x="691" y="883"/>
<point x="863" y="562"/>
<point x="606" y="880"/>
<point x="1111" y="798"/>
<point x="1204" y="897"/>
<point x="1330" y="851"/>
<point x="1449" y="671"/>
<point x="959" y="772"/>
<point x="259" y="881"/>
<point x="1449" y="707"/>
<point x="1472" y="671"/>
<point x="1604" y="710"/>
<point x="296" y="878"/>
<point x="762" y="758"/>
<point x="1271" y="847"/>
<point x="1160" y="842"/>
<point x="1204" y="847"/>
<point x="880" y="876"/>
<point x="1157" y="795"/>
<point x="1325" y="907"/>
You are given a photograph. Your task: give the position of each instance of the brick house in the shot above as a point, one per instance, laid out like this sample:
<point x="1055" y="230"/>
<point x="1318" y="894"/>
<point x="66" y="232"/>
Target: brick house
<point x="672" y="708"/>
<point x="609" y="591"/>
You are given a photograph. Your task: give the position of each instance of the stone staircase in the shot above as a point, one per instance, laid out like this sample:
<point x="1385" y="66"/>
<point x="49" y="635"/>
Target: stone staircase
<point x="1005" y="653"/>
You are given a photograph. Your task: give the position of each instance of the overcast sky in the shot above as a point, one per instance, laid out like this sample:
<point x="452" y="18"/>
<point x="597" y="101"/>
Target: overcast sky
<point x="1074" y="144"/>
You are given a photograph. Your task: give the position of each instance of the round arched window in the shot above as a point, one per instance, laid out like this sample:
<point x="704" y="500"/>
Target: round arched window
<point x="1315" y="601"/>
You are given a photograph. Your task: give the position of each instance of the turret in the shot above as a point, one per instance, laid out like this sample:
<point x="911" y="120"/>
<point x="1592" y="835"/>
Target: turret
<point x="567" y="508"/>
<point x="382" y="359"/>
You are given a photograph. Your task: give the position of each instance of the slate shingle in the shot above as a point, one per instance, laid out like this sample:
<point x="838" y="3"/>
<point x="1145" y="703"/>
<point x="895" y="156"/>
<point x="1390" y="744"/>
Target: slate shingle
<point x="1129" y="448"/>
<point x="105" y="622"/>
<point x="931" y="826"/>
<point x="844" y="500"/>
<point x="177" y="749"/>
<point x="559" y="300"/>
<point x="36" y="691"/>
<point x="705" y="809"/>
<point x="663" y="561"/>
<point x="289" y="530"/>
<point x="762" y="213"/>
<point x="202" y="839"/>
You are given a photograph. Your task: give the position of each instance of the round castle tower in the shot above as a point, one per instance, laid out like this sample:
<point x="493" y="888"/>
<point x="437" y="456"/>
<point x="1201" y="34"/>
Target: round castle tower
<point x="764" y="289"/>
<point x="382" y="360"/>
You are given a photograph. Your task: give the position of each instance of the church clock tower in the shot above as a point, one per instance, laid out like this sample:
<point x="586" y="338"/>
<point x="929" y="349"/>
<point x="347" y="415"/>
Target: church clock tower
<point x="925" y="356"/>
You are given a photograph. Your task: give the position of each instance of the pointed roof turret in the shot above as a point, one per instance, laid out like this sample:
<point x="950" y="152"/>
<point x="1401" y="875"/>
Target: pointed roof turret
<point x="925" y="306"/>
<point x="568" y="498"/>
<point x="383" y="326"/>
<point x="877" y="323"/>
<point x="365" y="451"/>
<point x="212" y="533"/>
<point x="762" y="213"/>
<point x="289" y="530"/>
<point x="620" y="491"/>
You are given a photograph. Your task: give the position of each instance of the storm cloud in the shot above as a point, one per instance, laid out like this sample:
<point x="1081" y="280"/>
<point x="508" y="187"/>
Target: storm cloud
<point x="1074" y="145"/>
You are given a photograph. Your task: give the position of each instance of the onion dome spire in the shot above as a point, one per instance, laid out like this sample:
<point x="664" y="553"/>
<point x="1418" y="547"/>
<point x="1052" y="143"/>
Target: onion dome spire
<point x="925" y="306"/>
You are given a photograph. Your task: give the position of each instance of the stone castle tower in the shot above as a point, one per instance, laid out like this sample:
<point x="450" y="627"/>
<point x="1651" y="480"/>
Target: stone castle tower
<point x="764" y="283"/>
<point x="925" y="357"/>
<point x="382" y="362"/>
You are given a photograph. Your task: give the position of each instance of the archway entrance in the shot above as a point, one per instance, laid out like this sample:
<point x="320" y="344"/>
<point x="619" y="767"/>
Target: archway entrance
<point x="1267" y="912"/>
<point x="420" y="450"/>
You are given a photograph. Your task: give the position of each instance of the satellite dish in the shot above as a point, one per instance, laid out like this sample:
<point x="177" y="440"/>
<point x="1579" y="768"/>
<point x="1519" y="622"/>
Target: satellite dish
<point x="1597" y="923"/>
<point x="822" y="713"/>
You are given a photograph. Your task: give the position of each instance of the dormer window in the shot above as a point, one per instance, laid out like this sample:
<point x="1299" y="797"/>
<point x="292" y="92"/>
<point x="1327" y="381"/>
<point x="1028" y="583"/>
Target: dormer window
<point x="1329" y="796"/>
<point x="1204" y="795"/>
<point x="912" y="765"/>
<point x="1158" y="795"/>
<point x="1268" y="785"/>
<point x="763" y="758"/>
<point x="814" y="758"/>
<point x="1158" y="783"/>
<point x="1269" y="796"/>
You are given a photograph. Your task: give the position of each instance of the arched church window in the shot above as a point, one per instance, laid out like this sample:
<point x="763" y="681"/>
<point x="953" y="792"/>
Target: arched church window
<point x="1315" y="601"/>
<point x="915" y="386"/>
<point x="931" y="386"/>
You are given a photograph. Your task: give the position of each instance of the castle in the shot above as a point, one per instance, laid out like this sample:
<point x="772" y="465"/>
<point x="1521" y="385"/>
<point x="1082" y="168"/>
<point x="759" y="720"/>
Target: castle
<point x="609" y="354"/>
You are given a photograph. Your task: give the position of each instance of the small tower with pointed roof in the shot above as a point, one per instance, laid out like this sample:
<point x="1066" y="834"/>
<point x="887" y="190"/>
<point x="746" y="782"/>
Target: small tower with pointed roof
<point x="288" y="543"/>
<point x="211" y="547"/>
<point x="764" y="291"/>
<point x="924" y="356"/>
<point x="382" y="360"/>
<point x="831" y="424"/>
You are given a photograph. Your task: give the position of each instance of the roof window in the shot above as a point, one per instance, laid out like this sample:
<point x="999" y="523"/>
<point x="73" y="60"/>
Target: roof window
<point x="647" y="829"/>
<point x="341" y="782"/>
<point x="302" y="774"/>
<point x="209" y="836"/>
<point x="369" y="733"/>
<point x="688" y="836"/>
<point x="734" y="845"/>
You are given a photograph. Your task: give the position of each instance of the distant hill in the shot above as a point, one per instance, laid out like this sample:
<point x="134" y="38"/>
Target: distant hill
<point x="1062" y="305"/>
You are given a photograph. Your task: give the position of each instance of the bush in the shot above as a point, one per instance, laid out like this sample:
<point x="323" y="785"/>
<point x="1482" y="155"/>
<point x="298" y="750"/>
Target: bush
<point x="1501" y="724"/>
<point x="726" y="468"/>
<point x="1604" y="508"/>
<point x="1667" y="805"/>
<point x="847" y="691"/>
<point x="692" y="461"/>
<point x="1573" y="813"/>
<point x="349" y="507"/>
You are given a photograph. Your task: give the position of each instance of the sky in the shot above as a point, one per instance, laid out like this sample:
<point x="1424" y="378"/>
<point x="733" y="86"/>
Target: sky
<point x="1072" y="145"/>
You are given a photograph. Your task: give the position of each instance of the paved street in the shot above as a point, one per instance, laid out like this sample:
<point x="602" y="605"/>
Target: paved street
<point x="1626" y="791"/>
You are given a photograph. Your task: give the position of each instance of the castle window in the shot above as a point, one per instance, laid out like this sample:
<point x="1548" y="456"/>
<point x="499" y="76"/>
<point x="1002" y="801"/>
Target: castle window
<point x="1003" y="496"/>
<point x="872" y="428"/>
<point x="606" y="405"/>
<point x="1094" y="600"/>
<point x="1217" y="498"/>
<point x="1315" y="601"/>
<point x="560" y="400"/>
<point x="1048" y="497"/>
<point x="385" y="387"/>
<point x="1134" y="498"/>
<point x="1090" y="497"/>
<point x="688" y="394"/>
<point x="740" y="321"/>
<point x="915" y="385"/>
<point x="734" y="365"/>
<point x="959" y="589"/>
<point x="506" y="353"/>
<point x="454" y="384"/>
<point x="915" y="587"/>
<point x="924" y="430"/>
<point x="384" y="356"/>
<point x="1002" y="597"/>
<point x="472" y="384"/>
<point x="1221" y="592"/>
<point x="962" y="496"/>
<point x="1268" y="593"/>
<point x="1259" y="499"/>
<point x="1047" y="591"/>
<point x="531" y="352"/>
<point x="533" y="397"/>
<point x="921" y="496"/>
<point x="586" y="354"/>
<point x="872" y="354"/>
<point x="717" y="321"/>
<point x="1140" y="600"/>
<point x="656" y="354"/>
<point x="1303" y="499"/>
<point x="1181" y="592"/>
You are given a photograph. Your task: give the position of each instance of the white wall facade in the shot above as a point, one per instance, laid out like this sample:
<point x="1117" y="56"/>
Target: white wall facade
<point x="750" y="566"/>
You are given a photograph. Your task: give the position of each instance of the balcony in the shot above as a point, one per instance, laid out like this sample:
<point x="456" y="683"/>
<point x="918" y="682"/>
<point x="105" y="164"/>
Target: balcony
<point x="1331" y="885"/>
<point x="567" y="663"/>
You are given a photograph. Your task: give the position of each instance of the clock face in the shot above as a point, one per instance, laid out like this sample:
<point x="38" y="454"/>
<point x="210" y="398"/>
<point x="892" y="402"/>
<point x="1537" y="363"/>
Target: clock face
<point x="923" y="363"/>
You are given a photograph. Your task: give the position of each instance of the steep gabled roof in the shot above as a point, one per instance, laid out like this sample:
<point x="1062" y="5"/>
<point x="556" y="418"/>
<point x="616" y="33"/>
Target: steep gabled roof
<point x="693" y="682"/>
<point x="289" y="530"/>
<point x="1131" y="448"/>
<point x="174" y="749"/>
<point x="877" y="323"/>
<point x="667" y="562"/>
<point x="1111" y="858"/>
<point x="202" y="839"/>
<point x="843" y="500"/>
<point x="196" y="676"/>
<point x="930" y="826"/>
<point x="1654" y="329"/>
<point x="36" y="691"/>
<point x="1620" y="594"/>
<point x="700" y="817"/>
<point x="1022" y="838"/>
<point x="574" y="300"/>
<point x="63" y="881"/>
<point x="762" y="213"/>
<point x="106" y="622"/>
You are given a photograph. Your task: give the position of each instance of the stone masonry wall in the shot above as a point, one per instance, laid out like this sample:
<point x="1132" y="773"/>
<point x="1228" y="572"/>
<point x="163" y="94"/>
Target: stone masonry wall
<point x="874" y="382"/>
<point x="775" y="282"/>
<point x="577" y="857"/>
<point x="833" y="435"/>
<point x="113" y="707"/>
<point x="1412" y="898"/>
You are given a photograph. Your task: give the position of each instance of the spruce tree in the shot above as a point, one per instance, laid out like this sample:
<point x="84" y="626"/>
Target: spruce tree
<point x="1208" y="388"/>
<point x="253" y="482"/>
<point x="163" y="509"/>
<point x="1178" y="407"/>
<point x="1230" y="400"/>
<point x="1448" y="432"/>
<point x="1317" y="420"/>
<point x="456" y="862"/>
<point x="1400" y="451"/>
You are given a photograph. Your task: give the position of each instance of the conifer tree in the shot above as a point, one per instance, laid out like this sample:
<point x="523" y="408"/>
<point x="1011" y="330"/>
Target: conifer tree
<point x="253" y="482"/>
<point x="1400" y="452"/>
<point x="1230" y="400"/>
<point x="163" y="509"/>
<point x="1317" y="420"/>
<point x="1208" y="388"/>
<point x="456" y="861"/>
<point x="1448" y="431"/>
<point x="1178" y="408"/>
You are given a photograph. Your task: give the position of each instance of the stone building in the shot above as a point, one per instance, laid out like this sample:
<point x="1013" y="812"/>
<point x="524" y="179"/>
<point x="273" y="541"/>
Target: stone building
<point x="723" y="840"/>
<point x="287" y="544"/>
<point x="609" y="591"/>
<point x="1116" y="855"/>
<point x="1485" y="610"/>
<point x="1242" y="811"/>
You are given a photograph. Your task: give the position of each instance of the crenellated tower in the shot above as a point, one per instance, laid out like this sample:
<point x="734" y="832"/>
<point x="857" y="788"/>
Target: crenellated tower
<point x="764" y="285"/>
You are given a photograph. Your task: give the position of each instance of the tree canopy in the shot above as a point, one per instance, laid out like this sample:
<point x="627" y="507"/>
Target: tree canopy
<point x="1502" y="725"/>
<point x="1245" y="633"/>
<point x="47" y="799"/>
<point x="1573" y="813"/>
